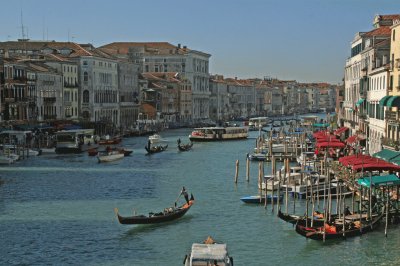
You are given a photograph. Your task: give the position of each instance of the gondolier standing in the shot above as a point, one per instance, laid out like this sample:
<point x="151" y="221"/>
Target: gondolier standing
<point x="185" y="194"/>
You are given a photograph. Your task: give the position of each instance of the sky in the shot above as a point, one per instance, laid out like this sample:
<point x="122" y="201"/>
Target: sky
<point x="303" y="40"/>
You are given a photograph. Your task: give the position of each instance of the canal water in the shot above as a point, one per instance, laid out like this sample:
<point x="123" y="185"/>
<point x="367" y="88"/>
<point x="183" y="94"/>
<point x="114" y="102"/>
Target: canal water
<point x="58" y="209"/>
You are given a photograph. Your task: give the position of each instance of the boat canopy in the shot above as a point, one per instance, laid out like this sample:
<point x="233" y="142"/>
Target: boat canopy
<point x="386" y="180"/>
<point x="205" y="252"/>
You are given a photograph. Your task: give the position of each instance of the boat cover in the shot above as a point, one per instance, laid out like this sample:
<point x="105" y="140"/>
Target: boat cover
<point x="201" y="252"/>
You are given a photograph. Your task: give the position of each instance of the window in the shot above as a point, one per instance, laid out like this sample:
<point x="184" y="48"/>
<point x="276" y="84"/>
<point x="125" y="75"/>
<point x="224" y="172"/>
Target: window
<point x="85" y="63"/>
<point x="85" y="76"/>
<point x="394" y="35"/>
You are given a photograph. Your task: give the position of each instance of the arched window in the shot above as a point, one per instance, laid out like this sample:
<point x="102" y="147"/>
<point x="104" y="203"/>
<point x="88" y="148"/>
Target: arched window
<point x="86" y="96"/>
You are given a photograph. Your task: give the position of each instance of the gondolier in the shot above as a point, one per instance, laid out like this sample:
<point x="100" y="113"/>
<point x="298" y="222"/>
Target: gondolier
<point x="185" y="194"/>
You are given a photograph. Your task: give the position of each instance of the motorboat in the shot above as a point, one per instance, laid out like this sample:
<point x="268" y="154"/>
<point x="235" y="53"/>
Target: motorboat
<point x="208" y="253"/>
<point x="110" y="156"/>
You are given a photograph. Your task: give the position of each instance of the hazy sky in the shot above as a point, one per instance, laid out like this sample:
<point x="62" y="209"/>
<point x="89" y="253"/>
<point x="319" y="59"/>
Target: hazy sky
<point x="306" y="40"/>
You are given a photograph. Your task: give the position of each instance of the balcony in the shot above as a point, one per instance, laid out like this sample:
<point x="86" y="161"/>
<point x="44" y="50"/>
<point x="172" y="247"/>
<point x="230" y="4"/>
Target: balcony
<point x="49" y="100"/>
<point x="391" y="116"/>
<point x="21" y="79"/>
<point x="362" y="115"/>
<point x="9" y="100"/>
<point x="390" y="143"/>
<point x="70" y="85"/>
<point x="67" y="103"/>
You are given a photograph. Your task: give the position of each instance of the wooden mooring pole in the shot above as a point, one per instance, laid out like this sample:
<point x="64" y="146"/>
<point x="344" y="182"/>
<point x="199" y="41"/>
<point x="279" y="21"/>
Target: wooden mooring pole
<point x="237" y="171"/>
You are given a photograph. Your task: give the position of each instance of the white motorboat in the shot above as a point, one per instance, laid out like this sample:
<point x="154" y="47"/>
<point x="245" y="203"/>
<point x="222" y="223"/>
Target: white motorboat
<point x="5" y="160"/>
<point x="208" y="253"/>
<point x="110" y="156"/>
<point x="156" y="138"/>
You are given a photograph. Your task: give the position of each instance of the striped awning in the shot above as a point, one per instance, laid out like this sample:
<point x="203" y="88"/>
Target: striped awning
<point x="384" y="100"/>
<point x="359" y="102"/>
<point x="394" y="101"/>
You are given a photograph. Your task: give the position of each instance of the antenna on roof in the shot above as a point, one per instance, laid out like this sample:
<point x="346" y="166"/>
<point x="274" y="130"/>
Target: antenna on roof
<point x="22" y="27"/>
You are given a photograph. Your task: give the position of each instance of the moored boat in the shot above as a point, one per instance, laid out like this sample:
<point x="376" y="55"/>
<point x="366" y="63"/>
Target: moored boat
<point x="257" y="199"/>
<point x="335" y="230"/>
<point x="169" y="214"/>
<point x="219" y="133"/>
<point x="208" y="253"/>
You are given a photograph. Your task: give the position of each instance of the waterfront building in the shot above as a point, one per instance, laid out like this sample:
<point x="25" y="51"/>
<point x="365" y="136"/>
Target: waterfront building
<point x="70" y="91"/>
<point x="98" y="73"/>
<point x="393" y="104"/>
<point x="165" y="57"/>
<point x="219" y="99"/>
<point x="162" y="93"/>
<point x="374" y="81"/>
<point x="49" y="92"/>
<point x="14" y="91"/>
<point x="351" y="81"/>
<point x="129" y="95"/>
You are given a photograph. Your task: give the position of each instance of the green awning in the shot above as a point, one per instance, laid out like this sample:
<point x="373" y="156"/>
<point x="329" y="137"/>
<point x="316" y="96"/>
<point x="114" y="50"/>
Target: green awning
<point x="359" y="102"/>
<point x="386" y="155"/>
<point x="351" y="110"/>
<point x="384" y="100"/>
<point x="394" y="101"/>
<point x="386" y="180"/>
<point x="321" y="125"/>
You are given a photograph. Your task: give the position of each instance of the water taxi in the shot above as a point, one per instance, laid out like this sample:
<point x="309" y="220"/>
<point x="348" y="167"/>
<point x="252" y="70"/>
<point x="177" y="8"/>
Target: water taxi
<point x="219" y="133"/>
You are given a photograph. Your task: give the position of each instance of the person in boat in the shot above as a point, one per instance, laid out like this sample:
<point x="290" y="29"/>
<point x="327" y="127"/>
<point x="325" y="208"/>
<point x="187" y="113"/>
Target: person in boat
<point x="148" y="144"/>
<point x="347" y="211"/>
<point x="185" y="194"/>
<point x="179" y="141"/>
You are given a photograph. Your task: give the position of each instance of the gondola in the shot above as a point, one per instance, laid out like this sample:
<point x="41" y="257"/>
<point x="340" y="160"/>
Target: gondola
<point x="317" y="232"/>
<point x="167" y="215"/>
<point x="185" y="147"/>
<point x="156" y="149"/>
<point x="300" y="220"/>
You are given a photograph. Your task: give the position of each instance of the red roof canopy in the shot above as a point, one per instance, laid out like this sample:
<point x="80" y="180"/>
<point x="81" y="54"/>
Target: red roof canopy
<point x="330" y="145"/>
<point x="340" y="130"/>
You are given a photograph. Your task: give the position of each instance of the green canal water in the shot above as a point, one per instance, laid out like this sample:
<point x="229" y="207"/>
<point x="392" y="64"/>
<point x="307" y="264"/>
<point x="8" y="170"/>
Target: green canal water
<point x="58" y="210"/>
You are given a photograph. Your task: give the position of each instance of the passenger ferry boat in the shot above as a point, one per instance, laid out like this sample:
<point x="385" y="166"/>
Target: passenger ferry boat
<point x="218" y="133"/>
<point x="75" y="141"/>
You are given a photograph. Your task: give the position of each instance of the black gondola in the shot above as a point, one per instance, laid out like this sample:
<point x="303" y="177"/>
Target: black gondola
<point x="300" y="220"/>
<point x="156" y="149"/>
<point x="317" y="233"/>
<point x="185" y="147"/>
<point x="167" y="215"/>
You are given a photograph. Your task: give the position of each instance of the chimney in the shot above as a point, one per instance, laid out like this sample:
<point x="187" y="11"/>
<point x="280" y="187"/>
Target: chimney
<point x="184" y="47"/>
<point x="179" y="45"/>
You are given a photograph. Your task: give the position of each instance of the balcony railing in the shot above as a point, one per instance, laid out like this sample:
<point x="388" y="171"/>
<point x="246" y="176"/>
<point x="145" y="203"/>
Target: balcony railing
<point x="390" y="143"/>
<point x="67" y="103"/>
<point x="10" y="100"/>
<point x="391" y="115"/>
<point x="362" y="115"/>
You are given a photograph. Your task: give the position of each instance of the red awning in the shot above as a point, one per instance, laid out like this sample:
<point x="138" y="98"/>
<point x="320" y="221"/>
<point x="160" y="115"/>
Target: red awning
<point x="327" y="139"/>
<point x="352" y="139"/>
<point x="330" y="145"/>
<point x="340" y="130"/>
<point x="322" y="133"/>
